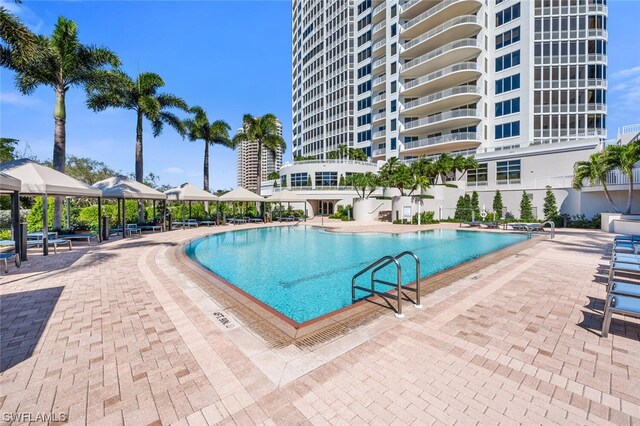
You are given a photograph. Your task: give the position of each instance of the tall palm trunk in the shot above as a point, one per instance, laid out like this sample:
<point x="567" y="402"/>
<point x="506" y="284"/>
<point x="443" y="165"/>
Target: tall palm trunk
<point x="206" y="166"/>
<point x="630" y="194"/>
<point x="609" y="199"/>
<point x="259" y="166"/>
<point x="59" y="148"/>
<point x="139" y="163"/>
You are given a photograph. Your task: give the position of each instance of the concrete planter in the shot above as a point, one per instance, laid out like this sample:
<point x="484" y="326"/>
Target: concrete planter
<point x="368" y="209"/>
<point x="620" y="223"/>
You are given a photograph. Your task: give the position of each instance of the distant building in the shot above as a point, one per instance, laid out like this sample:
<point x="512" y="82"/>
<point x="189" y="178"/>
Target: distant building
<point x="248" y="163"/>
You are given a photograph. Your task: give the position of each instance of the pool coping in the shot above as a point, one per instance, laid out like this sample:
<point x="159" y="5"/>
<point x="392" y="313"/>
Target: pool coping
<point x="348" y="317"/>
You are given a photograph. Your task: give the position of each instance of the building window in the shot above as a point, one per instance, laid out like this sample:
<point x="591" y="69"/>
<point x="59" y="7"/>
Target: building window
<point x="507" y="130"/>
<point x="478" y="175"/>
<point x="507" y="61"/>
<point x="299" y="179"/>
<point x="326" y="179"/>
<point x="393" y="124"/>
<point x="508" y="37"/>
<point x="393" y="143"/>
<point x="508" y="14"/>
<point x="507" y="84"/>
<point x="508" y="171"/>
<point x="510" y="106"/>
<point x="393" y="105"/>
<point x="283" y="181"/>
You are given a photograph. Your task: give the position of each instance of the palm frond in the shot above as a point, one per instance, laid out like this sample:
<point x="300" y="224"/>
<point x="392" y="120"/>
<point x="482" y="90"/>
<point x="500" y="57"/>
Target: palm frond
<point x="148" y="83"/>
<point x="171" y="120"/>
<point x="150" y="108"/>
<point x="171" y="101"/>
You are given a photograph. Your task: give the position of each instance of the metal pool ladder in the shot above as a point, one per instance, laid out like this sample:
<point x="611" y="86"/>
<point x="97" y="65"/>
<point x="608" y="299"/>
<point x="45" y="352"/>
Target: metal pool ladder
<point x="381" y="263"/>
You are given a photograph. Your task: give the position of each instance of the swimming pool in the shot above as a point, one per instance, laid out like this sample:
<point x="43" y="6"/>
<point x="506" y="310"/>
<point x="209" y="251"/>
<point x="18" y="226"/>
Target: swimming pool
<point x="305" y="273"/>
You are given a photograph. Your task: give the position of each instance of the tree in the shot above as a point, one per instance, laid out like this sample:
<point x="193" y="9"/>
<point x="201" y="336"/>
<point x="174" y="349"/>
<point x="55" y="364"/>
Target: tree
<point x="387" y="171"/>
<point x="497" y="203"/>
<point x="118" y="90"/>
<point x="550" y="207"/>
<point x="7" y="149"/>
<point x="364" y="183"/>
<point x="475" y="204"/>
<point x="341" y="181"/>
<point x="357" y="154"/>
<point x="594" y="170"/>
<point x="273" y="175"/>
<point x="463" y="208"/>
<point x="18" y="45"/>
<point x="624" y="158"/>
<point x="62" y="62"/>
<point x="526" y="210"/>
<point x="264" y="132"/>
<point x="464" y="164"/>
<point x="443" y="166"/>
<point x="216" y="132"/>
<point x="88" y="170"/>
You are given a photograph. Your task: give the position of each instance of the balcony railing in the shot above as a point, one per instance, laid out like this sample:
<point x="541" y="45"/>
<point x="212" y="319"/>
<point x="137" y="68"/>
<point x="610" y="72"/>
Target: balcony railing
<point x="378" y="26"/>
<point x="462" y="66"/>
<point x="378" y="152"/>
<point x="443" y="94"/>
<point x="571" y="34"/>
<point x="570" y="108"/>
<point x="467" y="42"/>
<point x="337" y="161"/>
<point x="571" y="10"/>
<point x="378" y="134"/>
<point x="379" y="80"/>
<point x="379" y="116"/>
<point x="426" y="14"/>
<point x="379" y="98"/>
<point x="465" y="112"/>
<point x="379" y="8"/>
<point x="440" y="28"/>
<point x="379" y="43"/>
<point x="378" y="62"/>
<point x="569" y="59"/>
<point x="570" y="84"/>
<point x="436" y="140"/>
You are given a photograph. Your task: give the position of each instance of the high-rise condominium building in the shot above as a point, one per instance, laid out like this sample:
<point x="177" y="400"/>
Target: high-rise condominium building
<point x="423" y="77"/>
<point x="247" y="165"/>
<point x="322" y="75"/>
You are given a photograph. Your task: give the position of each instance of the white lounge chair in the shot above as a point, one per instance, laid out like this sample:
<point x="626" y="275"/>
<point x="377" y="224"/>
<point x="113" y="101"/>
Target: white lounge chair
<point x="9" y="256"/>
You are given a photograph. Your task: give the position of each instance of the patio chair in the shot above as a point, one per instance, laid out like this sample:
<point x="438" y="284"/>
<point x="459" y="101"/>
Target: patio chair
<point x="7" y="257"/>
<point x="132" y="228"/>
<point x="191" y="222"/>
<point x="619" y="304"/>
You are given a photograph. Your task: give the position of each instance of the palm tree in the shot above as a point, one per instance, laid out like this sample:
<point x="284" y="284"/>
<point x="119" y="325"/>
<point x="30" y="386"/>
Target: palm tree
<point x="62" y="62"/>
<point x="387" y="171"/>
<point x="443" y="166"/>
<point x="262" y="131"/>
<point x="364" y="183"/>
<point x="419" y="174"/>
<point x="216" y="132"/>
<point x="593" y="170"/>
<point x="18" y="44"/>
<point x="462" y="164"/>
<point x="624" y="158"/>
<point x="118" y="90"/>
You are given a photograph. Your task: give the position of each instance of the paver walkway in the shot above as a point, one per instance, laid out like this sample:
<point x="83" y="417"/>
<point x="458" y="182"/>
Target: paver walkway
<point x="112" y="334"/>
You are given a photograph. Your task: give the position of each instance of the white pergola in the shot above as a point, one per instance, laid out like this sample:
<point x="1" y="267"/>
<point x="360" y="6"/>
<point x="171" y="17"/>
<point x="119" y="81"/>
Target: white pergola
<point x="37" y="179"/>
<point x="188" y="192"/>
<point x="122" y="188"/>
<point x="12" y="186"/>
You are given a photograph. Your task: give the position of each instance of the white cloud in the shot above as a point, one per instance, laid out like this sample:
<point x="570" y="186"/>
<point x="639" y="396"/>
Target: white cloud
<point x="173" y="170"/>
<point x="26" y="15"/>
<point x="629" y="72"/>
<point x="16" y="99"/>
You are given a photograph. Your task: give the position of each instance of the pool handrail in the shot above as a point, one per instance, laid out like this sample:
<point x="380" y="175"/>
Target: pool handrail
<point x="397" y="257"/>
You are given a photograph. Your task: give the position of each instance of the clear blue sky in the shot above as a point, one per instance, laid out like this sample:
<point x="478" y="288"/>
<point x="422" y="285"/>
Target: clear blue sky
<point x="229" y="57"/>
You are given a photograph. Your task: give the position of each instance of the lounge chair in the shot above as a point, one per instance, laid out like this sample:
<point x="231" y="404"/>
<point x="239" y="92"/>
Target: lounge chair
<point x="619" y="304"/>
<point x="152" y="228"/>
<point x="491" y="225"/>
<point x="473" y="224"/>
<point x="40" y="235"/>
<point x="55" y="243"/>
<point x="88" y="237"/>
<point x="7" y="257"/>
<point x="132" y="228"/>
<point x="533" y="227"/>
<point x="207" y="222"/>
<point x="191" y="222"/>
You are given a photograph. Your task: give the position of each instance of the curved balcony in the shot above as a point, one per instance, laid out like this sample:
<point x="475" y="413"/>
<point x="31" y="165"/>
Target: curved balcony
<point x="452" y="75"/>
<point x="442" y="143"/>
<point x="378" y="99"/>
<point x="378" y="81"/>
<point x="377" y="16"/>
<point x="438" y="14"/>
<point x="378" y="47"/>
<point x="378" y="153"/>
<point x="380" y="134"/>
<point x="378" y="64"/>
<point x="377" y="27"/>
<point x="446" y="120"/>
<point x="455" y="29"/>
<point x="443" y="100"/>
<point x="456" y="51"/>
<point x="378" y="117"/>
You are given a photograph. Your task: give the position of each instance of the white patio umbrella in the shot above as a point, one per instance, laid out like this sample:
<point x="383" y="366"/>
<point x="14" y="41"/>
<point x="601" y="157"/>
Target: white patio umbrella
<point x="37" y="179"/>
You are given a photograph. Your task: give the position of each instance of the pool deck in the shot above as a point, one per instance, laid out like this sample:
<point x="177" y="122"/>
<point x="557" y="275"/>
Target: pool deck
<point x="122" y="333"/>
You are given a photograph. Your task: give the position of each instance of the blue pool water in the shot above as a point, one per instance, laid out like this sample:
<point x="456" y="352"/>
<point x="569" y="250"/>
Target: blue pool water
<point x="305" y="272"/>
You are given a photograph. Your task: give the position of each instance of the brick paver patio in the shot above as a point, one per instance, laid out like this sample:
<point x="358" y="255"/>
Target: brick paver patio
<point x="117" y="334"/>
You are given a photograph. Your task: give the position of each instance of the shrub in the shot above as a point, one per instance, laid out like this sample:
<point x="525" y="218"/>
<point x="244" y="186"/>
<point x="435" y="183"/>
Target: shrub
<point x="550" y="208"/>
<point x="34" y="218"/>
<point x="463" y="208"/>
<point x="5" y="217"/>
<point x="5" y="234"/>
<point x="497" y="203"/>
<point x="425" y="218"/>
<point x="344" y="213"/>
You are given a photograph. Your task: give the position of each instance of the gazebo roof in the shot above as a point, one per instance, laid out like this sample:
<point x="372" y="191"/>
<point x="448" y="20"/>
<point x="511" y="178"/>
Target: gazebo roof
<point x="188" y="192"/>
<point x="286" y="196"/>
<point x="37" y="179"/>
<point x="123" y="187"/>
<point x="9" y="184"/>
<point x="242" y="194"/>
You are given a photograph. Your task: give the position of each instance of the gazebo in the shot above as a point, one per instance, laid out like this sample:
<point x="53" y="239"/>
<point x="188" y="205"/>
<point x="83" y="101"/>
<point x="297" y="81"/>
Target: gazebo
<point x="286" y="196"/>
<point x="12" y="186"/>
<point x="188" y="192"/>
<point x="241" y="194"/>
<point x="37" y="179"/>
<point x="122" y="188"/>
